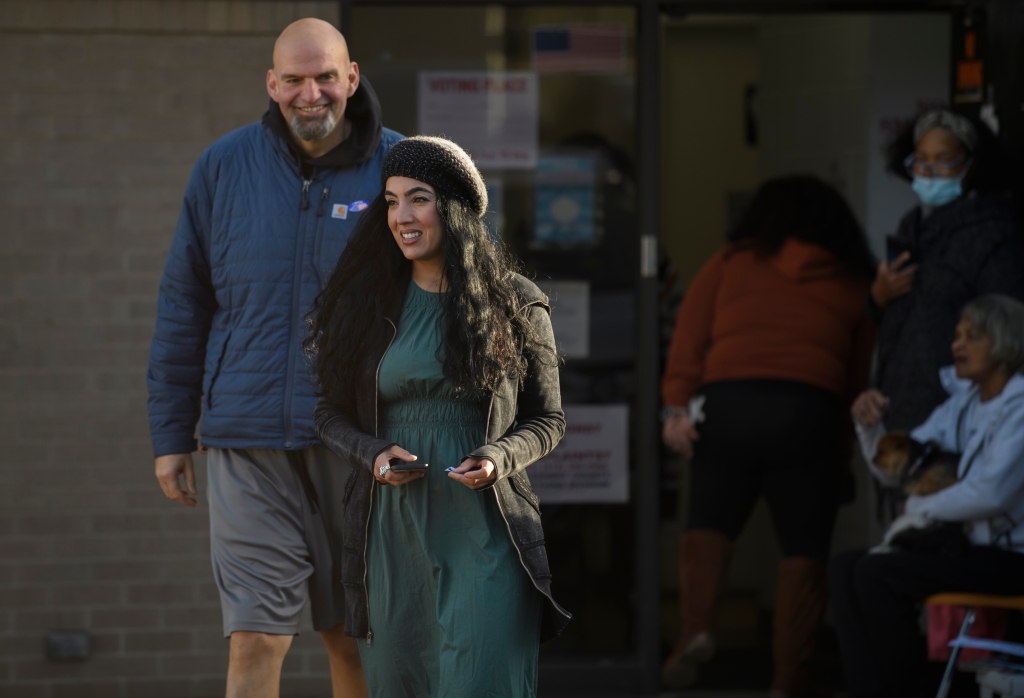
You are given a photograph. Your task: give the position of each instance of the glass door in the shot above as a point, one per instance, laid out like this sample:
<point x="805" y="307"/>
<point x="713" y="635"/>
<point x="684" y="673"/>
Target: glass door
<point x="545" y="98"/>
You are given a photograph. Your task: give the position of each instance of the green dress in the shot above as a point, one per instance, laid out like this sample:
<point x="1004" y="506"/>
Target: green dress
<point x="452" y="610"/>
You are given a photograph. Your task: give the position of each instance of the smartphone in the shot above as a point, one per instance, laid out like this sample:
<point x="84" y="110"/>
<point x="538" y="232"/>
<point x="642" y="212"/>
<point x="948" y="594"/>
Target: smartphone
<point x="894" y="247"/>
<point x="405" y="466"/>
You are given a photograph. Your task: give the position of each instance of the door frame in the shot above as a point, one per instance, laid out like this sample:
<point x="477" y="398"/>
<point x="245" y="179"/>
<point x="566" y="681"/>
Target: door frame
<point x="639" y="672"/>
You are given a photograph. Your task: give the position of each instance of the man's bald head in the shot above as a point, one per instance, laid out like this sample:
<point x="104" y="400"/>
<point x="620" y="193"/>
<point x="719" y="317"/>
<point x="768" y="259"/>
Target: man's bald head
<point x="311" y="81"/>
<point x="307" y="38"/>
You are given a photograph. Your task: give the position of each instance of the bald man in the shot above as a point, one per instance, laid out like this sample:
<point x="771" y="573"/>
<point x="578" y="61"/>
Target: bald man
<point x="266" y="214"/>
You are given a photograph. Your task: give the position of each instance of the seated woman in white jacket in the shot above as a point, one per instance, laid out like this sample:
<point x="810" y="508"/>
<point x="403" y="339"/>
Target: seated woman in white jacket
<point x="876" y="598"/>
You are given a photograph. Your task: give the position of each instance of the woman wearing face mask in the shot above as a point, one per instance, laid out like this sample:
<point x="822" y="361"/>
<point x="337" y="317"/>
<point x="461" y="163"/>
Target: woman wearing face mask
<point x="429" y="350"/>
<point x="960" y="242"/>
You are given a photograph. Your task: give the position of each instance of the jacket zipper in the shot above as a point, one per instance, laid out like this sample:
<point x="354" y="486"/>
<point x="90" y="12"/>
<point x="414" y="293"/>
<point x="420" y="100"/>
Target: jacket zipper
<point x="511" y="537"/>
<point x="300" y="244"/>
<point x="508" y="526"/>
<point x="318" y="245"/>
<point x="519" y="552"/>
<point x="369" y="511"/>
<point x="323" y="200"/>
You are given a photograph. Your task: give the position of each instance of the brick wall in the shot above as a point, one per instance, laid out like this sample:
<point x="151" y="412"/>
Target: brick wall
<point x="104" y="108"/>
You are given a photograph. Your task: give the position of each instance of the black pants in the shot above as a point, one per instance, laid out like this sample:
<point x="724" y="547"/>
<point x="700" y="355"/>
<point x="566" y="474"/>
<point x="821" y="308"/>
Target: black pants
<point x="780" y="439"/>
<point x="876" y="604"/>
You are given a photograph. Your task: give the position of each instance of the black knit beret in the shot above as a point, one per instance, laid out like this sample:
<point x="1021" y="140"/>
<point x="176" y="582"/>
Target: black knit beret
<point x="442" y="164"/>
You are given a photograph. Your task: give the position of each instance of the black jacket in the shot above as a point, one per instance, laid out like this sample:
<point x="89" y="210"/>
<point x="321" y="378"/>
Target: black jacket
<point x="523" y="424"/>
<point x="965" y="249"/>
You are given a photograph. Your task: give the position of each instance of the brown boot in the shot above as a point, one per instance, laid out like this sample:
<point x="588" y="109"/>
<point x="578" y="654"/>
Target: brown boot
<point x="704" y="557"/>
<point x="799" y="607"/>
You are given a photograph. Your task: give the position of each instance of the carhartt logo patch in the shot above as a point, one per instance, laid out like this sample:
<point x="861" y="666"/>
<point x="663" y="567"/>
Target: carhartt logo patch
<point x="339" y="211"/>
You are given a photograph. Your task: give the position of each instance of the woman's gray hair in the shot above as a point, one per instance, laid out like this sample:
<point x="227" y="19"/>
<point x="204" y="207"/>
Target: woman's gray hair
<point x="960" y="126"/>
<point x="1002" y="319"/>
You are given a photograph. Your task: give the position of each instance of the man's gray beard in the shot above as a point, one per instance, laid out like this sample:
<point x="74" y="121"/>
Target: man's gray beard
<point x="314" y="130"/>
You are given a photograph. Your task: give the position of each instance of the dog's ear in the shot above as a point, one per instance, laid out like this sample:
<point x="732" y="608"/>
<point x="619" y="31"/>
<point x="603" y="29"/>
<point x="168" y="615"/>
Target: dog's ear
<point x="899" y="439"/>
<point x="893" y="452"/>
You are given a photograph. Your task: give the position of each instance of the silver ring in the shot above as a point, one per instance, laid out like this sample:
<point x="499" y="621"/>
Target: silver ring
<point x="384" y="469"/>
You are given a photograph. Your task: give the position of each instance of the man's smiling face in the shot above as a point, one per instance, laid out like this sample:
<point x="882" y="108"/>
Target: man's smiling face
<point x="311" y="81"/>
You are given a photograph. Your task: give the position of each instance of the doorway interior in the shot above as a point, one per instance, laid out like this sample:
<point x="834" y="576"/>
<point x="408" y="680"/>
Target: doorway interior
<point x="740" y="98"/>
<point x="746" y="98"/>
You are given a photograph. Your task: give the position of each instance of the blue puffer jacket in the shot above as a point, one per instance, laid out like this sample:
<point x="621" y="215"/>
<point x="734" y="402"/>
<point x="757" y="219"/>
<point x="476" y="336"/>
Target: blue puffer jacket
<point x="258" y="234"/>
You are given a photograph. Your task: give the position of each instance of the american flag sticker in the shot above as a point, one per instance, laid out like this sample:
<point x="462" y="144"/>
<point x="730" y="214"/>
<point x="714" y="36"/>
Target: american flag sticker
<point x="339" y="211"/>
<point x="598" y="47"/>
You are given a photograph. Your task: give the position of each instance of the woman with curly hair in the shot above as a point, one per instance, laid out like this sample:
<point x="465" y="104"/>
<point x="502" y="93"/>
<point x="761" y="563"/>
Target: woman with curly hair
<point x="773" y="340"/>
<point x="430" y="349"/>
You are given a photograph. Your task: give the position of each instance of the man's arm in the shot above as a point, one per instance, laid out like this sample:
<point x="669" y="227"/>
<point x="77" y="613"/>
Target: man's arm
<point x="178" y="353"/>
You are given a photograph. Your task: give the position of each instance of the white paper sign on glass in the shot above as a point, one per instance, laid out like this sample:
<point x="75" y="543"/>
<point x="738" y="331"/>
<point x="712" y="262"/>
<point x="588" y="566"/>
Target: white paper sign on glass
<point x="591" y="463"/>
<point x="570" y="316"/>
<point x="493" y="115"/>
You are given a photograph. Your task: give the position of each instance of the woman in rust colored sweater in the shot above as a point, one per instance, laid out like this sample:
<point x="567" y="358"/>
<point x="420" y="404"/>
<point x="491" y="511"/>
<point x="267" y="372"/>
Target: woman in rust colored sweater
<point x="773" y="336"/>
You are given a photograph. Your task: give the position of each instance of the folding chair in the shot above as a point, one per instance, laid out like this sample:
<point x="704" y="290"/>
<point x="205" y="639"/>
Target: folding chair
<point x="969" y="602"/>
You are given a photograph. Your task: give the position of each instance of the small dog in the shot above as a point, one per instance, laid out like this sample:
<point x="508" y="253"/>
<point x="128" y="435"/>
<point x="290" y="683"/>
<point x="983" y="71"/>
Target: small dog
<point x="922" y="469"/>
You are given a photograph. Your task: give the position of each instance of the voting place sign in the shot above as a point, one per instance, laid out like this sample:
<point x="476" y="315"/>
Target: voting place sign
<point x="492" y="115"/>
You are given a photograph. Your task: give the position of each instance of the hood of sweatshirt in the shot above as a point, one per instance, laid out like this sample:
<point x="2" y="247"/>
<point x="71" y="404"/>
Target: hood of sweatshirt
<point x="953" y="385"/>
<point x="362" y="111"/>
<point x="805" y="261"/>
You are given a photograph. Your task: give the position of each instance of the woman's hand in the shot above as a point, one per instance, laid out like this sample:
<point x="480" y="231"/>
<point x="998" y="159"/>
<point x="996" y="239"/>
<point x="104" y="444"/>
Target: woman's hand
<point x="894" y="281"/>
<point x="679" y="435"/>
<point x="391" y="477"/>
<point x="869" y="407"/>
<point x="474" y="473"/>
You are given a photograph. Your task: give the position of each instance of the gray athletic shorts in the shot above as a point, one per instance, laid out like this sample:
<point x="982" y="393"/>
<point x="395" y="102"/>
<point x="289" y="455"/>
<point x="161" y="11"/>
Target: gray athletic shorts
<point x="275" y="537"/>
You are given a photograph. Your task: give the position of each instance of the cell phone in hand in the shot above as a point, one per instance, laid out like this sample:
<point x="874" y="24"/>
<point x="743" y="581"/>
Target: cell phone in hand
<point x="894" y="247"/>
<point x="406" y="466"/>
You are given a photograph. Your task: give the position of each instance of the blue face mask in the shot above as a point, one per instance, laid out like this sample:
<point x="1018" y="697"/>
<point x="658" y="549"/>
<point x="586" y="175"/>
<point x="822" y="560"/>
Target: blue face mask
<point x="937" y="191"/>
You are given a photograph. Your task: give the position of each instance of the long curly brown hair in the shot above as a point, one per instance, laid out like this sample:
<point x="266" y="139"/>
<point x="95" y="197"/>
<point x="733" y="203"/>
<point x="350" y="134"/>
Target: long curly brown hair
<point x="484" y="331"/>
